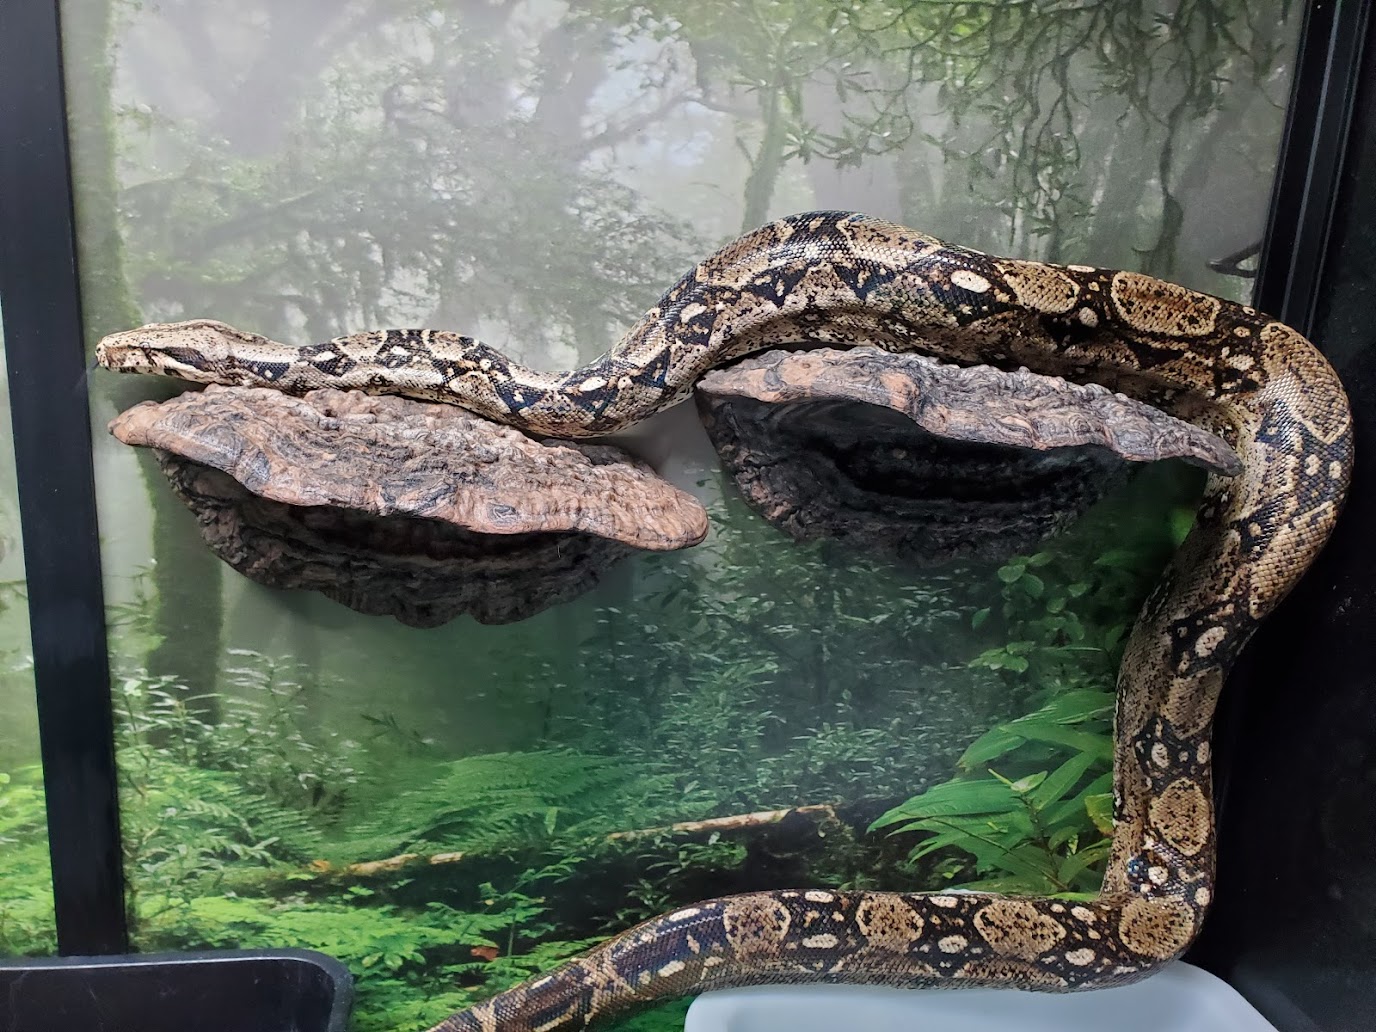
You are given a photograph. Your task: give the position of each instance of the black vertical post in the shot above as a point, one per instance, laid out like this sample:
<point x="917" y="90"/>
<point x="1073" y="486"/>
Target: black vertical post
<point x="1310" y="162"/>
<point x="41" y="303"/>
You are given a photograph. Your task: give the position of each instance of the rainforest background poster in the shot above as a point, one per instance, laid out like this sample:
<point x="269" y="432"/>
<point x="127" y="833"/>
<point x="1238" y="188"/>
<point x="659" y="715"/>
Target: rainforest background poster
<point x="451" y="810"/>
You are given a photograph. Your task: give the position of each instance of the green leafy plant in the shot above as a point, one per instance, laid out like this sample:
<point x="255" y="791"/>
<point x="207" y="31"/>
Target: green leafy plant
<point x="1030" y="810"/>
<point x="26" y="896"/>
<point x="495" y="802"/>
<point x="1035" y="832"/>
<point x="781" y="673"/>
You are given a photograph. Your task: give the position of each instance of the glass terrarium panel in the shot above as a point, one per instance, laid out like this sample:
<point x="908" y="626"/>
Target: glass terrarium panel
<point x="26" y="888"/>
<point x="1315" y="966"/>
<point x="454" y="808"/>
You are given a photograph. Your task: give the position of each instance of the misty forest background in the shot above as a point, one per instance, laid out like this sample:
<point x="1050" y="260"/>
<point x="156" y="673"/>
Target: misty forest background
<point x="449" y="811"/>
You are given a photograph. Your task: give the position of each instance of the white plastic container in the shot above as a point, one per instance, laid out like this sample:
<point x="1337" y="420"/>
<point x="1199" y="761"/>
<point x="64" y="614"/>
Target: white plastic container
<point x="1179" y="998"/>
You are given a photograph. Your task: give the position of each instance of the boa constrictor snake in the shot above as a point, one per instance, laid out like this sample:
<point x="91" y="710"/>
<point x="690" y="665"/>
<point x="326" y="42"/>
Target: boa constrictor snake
<point x="843" y="278"/>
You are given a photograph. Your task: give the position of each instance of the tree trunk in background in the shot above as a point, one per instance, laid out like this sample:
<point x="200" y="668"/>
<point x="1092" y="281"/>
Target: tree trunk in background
<point x="1114" y="223"/>
<point x="186" y="576"/>
<point x="767" y="161"/>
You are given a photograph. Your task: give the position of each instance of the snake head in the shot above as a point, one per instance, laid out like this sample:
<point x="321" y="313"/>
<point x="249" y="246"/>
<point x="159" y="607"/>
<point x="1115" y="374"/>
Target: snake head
<point x="198" y="350"/>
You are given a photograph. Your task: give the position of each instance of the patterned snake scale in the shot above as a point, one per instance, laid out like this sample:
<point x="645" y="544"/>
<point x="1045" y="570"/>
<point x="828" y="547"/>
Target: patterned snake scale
<point x="842" y="278"/>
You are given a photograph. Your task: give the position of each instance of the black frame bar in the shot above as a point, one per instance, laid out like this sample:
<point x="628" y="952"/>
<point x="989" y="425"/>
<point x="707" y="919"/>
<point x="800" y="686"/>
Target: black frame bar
<point x="1309" y="166"/>
<point x="40" y="297"/>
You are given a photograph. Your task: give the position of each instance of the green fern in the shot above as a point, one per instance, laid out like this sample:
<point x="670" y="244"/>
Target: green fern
<point x="501" y="801"/>
<point x="26" y="897"/>
<point x="168" y="807"/>
<point x="374" y="937"/>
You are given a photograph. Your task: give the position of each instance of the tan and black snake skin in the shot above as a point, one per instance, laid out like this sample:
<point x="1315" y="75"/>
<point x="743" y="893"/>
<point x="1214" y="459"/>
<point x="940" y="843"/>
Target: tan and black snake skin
<point x="843" y="278"/>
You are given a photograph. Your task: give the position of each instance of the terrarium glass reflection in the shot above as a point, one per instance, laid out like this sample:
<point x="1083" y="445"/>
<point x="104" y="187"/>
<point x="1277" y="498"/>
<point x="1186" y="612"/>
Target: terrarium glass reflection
<point x="450" y="810"/>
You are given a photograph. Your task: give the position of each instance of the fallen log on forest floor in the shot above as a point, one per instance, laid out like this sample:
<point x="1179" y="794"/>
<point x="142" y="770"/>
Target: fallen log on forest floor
<point x="735" y="823"/>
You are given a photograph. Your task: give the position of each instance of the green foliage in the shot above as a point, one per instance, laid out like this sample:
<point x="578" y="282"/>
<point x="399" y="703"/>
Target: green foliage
<point x="257" y="739"/>
<point x="207" y="800"/>
<point x="229" y="799"/>
<point x="202" y="798"/>
<point x="782" y="674"/>
<point x="668" y="1017"/>
<point x="184" y="826"/>
<point x="503" y="802"/>
<point x="1038" y="832"/>
<point x="261" y="735"/>
<point x="658" y="888"/>
<point x="1062" y="612"/>
<point x="1031" y="808"/>
<point x="779" y="673"/>
<point x="26" y="896"/>
<point x="390" y="949"/>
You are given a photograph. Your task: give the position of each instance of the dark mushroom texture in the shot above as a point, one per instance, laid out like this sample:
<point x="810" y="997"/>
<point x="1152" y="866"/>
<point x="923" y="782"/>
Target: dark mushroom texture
<point x="387" y="505"/>
<point x="905" y="456"/>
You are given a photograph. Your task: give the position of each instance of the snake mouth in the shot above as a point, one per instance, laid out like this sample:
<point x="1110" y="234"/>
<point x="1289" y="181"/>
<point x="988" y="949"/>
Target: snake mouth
<point x="115" y="352"/>
<point x="130" y="351"/>
<point x="198" y="350"/>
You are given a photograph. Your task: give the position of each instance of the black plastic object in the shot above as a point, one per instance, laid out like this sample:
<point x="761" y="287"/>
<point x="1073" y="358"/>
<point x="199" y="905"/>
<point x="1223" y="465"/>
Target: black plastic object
<point x="218" y="991"/>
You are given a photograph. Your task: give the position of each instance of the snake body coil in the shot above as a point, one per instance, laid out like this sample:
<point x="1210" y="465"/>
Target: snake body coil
<point x="841" y="278"/>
